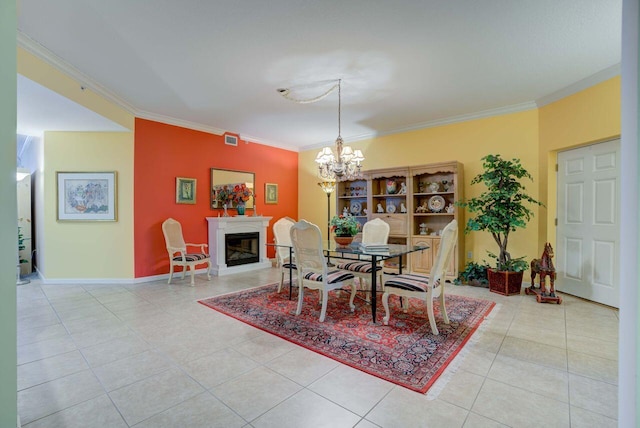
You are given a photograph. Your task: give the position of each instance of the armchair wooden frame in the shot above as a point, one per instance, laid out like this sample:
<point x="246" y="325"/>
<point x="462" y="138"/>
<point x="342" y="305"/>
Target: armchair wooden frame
<point x="374" y="231"/>
<point x="425" y="287"/>
<point x="178" y="254"/>
<point x="312" y="269"/>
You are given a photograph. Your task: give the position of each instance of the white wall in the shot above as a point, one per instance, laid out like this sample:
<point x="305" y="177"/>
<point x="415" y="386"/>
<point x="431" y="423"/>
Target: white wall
<point x="628" y="361"/>
<point x="33" y="159"/>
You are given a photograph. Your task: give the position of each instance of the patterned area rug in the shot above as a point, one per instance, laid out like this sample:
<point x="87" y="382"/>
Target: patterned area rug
<point x="405" y="352"/>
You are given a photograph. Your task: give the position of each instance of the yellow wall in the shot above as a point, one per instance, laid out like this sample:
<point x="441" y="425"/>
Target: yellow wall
<point x="589" y="116"/>
<point x="511" y="135"/>
<point x="535" y="137"/>
<point x="94" y="250"/>
<point x="46" y="75"/>
<point x="89" y="250"/>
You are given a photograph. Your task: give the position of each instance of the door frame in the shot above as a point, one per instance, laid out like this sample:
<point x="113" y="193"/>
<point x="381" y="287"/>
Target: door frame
<point x="551" y="208"/>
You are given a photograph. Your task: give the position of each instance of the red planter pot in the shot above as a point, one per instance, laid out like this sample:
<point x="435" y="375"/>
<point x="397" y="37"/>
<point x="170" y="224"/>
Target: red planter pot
<point x="343" y="241"/>
<point x="505" y="283"/>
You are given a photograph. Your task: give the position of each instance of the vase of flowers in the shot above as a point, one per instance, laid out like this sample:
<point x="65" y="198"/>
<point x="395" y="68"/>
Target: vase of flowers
<point x="234" y="195"/>
<point x="345" y="227"/>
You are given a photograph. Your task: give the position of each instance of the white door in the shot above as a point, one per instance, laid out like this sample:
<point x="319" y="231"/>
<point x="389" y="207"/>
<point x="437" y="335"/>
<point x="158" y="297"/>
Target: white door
<point x="588" y="234"/>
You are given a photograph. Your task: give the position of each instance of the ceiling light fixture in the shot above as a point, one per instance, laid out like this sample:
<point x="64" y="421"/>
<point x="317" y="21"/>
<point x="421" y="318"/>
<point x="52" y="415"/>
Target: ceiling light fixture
<point x="345" y="164"/>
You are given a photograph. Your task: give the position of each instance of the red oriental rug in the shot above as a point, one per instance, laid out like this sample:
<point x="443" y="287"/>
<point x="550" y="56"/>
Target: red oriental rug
<point x="405" y="352"/>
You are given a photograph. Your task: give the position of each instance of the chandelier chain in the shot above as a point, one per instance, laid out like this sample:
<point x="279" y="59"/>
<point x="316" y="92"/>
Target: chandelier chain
<point x="339" y="107"/>
<point x="342" y="164"/>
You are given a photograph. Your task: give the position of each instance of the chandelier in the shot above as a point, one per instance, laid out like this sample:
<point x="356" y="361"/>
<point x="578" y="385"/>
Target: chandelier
<point x="345" y="163"/>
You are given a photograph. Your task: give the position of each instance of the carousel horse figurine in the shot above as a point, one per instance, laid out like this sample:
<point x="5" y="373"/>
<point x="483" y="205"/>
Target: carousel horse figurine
<point x="544" y="267"/>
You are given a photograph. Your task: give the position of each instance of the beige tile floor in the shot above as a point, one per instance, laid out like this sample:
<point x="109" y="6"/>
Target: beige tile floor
<point x="147" y="355"/>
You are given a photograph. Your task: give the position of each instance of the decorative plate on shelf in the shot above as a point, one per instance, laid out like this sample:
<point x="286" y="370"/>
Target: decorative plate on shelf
<point x="391" y="208"/>
<point x="436" y="203"/>
<point x="356" y="208"/>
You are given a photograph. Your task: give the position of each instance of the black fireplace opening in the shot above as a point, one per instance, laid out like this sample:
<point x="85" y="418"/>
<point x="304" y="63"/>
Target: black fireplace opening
<point x="241" y="248"/>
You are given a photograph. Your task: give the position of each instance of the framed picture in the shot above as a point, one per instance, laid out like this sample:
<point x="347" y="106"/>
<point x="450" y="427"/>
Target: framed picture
<point x="185" y="190"/>
<point x="224" y="181"/>
<point x="270" y="193"/>
<point x="87" y="196"/>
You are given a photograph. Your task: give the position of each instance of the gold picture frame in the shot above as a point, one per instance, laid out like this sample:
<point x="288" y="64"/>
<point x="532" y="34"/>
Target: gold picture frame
<point x="186" y="190"/>
<point x="270" y="193"/>
<point x="221" y="178"/>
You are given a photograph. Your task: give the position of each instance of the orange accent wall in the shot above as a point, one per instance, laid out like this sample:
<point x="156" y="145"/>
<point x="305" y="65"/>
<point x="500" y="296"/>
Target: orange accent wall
<point x="163" y="152"/>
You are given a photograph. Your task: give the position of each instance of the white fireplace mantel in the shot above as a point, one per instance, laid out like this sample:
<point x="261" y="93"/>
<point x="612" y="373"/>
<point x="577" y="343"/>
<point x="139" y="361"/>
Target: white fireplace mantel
<point x="221" y="226"/>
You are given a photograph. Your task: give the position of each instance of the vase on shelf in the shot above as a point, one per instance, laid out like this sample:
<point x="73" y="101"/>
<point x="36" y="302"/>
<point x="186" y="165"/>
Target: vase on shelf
<point x="343" y="241"/>
<point x="240" y="209"/>
<point x="225" y="214"/>
<point x="391" y="187"/>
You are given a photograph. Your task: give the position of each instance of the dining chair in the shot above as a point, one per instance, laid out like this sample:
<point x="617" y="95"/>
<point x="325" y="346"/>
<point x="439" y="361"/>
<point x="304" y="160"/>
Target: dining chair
<point x="374" y="231"/>
<point x="425" y="287"/>
<point x="177" y="249"/>
<point x="313" y="272"/>
<point x="282" y="237"/>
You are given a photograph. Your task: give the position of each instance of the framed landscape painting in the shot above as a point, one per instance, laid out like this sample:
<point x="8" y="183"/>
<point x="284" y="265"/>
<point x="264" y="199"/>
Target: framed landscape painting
<point x="87" y="196"/>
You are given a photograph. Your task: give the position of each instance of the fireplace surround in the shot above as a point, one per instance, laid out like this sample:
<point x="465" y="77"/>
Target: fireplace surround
<point x="241" y="227"/>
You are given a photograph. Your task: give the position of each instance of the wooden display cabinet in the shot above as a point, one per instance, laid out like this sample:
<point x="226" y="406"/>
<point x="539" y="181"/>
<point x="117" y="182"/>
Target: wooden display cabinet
<point x="351" y="198"/>
<point x="435" y="189"/>
<point x="422" y="262"/>
<point x="389" y="202"/>
<point x="406" y="198"/>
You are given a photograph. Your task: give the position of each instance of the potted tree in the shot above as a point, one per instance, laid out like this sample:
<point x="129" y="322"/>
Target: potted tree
<point x="499" y="210"/>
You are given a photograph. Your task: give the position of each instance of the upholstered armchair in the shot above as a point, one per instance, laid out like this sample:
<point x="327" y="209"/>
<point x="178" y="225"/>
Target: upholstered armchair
<point x="177" y="249"/>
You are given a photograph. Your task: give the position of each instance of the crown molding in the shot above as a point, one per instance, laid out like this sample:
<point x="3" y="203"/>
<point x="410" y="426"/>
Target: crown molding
<point x="580" y="85"/>
<point x="41" y="52"/>
<point x="179" y="122"/>
<point x="515" y="108"/>
<point x="210" y="129"/>
<point x="257" y="140"/>
<point x="35" y="48"/>
<point x="38" y="50"/>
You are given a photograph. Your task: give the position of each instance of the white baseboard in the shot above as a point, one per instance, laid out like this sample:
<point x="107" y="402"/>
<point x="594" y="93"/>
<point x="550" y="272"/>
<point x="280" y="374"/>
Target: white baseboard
<point x="115" y="281"/>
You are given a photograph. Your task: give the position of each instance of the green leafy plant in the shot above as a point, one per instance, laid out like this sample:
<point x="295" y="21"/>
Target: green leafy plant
<point x="345" y="225"/>
<point x="473" y="272"/>
<point x="502" y="208"/>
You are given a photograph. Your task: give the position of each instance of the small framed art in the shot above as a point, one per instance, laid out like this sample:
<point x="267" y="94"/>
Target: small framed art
<point x="270" y="193"/>
<point x="185" y="190"/>
<point x="87" y="196"/>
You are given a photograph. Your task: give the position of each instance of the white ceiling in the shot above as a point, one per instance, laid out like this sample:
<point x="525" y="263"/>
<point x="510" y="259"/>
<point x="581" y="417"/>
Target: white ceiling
<point x="40" y="109"/>
<point x="215" y="65"/>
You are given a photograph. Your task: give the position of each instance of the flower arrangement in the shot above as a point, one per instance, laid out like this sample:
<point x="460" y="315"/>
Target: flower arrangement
<point x="233" y="194"/>
<point x="345" y="225"/>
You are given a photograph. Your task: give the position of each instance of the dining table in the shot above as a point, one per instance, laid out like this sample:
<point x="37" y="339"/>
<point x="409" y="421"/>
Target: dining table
<point x="359" y="251"/>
